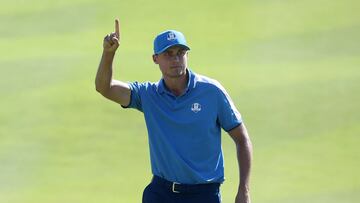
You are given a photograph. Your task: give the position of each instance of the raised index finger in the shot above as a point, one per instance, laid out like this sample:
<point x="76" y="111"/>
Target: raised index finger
<point x="117" y="28"/>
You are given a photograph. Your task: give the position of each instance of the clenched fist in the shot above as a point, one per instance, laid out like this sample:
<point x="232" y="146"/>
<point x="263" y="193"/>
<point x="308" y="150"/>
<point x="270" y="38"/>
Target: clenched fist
<point x="112" y="40"/>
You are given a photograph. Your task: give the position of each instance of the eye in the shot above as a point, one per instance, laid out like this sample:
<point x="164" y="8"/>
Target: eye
<point x="181" y="52"/>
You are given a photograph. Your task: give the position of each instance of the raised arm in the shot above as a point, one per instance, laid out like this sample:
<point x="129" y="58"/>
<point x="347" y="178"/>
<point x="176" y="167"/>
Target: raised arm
<point x="114" y="90"/>
<point x="244" y="155"/>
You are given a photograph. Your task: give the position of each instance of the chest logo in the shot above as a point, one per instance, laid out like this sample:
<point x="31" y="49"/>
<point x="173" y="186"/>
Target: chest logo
<point x="195" y="107"/>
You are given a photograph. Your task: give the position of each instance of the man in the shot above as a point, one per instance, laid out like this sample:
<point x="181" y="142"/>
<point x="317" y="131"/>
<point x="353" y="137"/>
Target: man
<point x="184" y="114"/>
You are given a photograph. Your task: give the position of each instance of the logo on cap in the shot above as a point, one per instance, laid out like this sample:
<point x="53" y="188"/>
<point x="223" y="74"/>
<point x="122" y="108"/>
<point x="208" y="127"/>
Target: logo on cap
<point x="171" y="36"/>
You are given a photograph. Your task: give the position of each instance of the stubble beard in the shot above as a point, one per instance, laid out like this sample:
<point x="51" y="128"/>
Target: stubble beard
<point x="176" y="72"/>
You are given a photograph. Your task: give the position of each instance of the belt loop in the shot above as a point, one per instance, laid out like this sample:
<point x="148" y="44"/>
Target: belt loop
<point x="173" y="187"/>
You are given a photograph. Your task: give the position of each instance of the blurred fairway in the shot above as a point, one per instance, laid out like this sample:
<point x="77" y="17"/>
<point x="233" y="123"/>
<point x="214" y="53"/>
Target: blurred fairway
<point x="291" y="67"/>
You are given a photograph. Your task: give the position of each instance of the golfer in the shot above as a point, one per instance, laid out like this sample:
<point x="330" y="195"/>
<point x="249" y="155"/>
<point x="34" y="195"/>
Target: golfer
<point x="184" y="113"/>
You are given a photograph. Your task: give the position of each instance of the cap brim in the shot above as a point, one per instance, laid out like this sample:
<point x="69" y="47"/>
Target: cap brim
<point x="172" y="45"/>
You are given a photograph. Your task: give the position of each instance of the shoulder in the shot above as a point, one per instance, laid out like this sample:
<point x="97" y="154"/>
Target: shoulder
<point x="205" y="82"/>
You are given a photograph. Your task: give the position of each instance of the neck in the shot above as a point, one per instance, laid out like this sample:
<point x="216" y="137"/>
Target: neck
<point x="177" y="85"/>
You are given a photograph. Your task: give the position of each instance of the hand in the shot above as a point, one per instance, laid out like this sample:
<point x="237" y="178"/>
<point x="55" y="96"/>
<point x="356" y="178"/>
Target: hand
<point x="243" y="196"/>
<point x="112" y="41"/>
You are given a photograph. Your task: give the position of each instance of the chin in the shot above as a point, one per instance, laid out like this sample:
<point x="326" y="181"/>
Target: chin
<point x="176" y="73"/>
<point x="181" y="71"/>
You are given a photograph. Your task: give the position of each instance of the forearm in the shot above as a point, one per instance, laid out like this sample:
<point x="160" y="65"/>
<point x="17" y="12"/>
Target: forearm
<point x="104" y="73"/>
<point x="244" y="156"/>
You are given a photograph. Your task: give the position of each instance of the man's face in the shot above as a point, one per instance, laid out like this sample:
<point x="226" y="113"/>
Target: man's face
<point x="172" y="62"/>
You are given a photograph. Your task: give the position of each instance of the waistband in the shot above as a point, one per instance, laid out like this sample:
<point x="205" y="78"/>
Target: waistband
<point x="185" y="188"/>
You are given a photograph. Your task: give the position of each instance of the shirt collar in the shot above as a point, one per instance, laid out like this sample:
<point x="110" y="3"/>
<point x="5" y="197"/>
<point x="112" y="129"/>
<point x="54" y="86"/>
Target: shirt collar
<point x="190" y="85"/>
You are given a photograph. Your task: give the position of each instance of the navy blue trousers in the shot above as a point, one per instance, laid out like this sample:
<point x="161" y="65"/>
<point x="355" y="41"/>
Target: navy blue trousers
<point x="162" y="191"/>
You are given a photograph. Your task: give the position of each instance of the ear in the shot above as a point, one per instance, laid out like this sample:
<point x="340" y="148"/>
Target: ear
<point x="155" y="58"/>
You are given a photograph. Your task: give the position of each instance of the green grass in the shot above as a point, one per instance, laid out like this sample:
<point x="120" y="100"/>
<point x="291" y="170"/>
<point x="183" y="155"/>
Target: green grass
<point x="291" y="67"/>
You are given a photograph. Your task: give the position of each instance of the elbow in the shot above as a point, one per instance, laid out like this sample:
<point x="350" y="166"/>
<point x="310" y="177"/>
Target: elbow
<point x="244" y="142"/>
<point x="245" y="146"/>
<point x="100" y="88"/>
<point x="101" y="91"/>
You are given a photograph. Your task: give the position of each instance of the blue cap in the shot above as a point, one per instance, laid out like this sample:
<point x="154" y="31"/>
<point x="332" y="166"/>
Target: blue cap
<point x="168" y="39"/>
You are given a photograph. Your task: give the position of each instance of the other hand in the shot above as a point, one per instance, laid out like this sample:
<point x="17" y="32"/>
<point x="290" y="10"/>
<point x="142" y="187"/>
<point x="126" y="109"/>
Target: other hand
<point x="112" y="40"/>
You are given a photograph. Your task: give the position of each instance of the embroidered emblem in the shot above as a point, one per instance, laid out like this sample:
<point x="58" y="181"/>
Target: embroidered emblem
<point x="171" y="36"/>
<point x="195" y="107"/>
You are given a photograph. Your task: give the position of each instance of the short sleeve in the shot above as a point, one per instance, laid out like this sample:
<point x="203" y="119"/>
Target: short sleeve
<point x="135" y="98"/>
<point x="228" y="116"/>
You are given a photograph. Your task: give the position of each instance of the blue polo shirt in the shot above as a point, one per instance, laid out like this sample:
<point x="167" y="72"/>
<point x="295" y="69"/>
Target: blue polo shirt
<point x="185" y="131"/>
